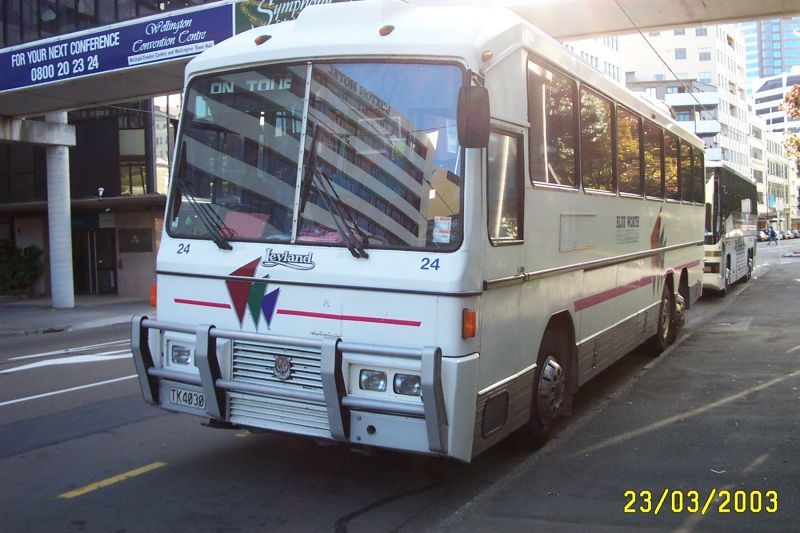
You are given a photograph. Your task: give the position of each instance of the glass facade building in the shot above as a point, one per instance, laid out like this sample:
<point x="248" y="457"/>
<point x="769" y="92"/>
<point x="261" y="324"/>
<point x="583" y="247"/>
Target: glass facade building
<point x="772" y="46"/>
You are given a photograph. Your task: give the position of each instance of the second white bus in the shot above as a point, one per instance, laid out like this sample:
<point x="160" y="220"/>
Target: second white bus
<point x="731" y="226"/>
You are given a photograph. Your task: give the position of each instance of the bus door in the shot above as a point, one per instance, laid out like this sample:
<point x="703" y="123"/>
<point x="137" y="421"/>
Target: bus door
<point x="503" y="253"/>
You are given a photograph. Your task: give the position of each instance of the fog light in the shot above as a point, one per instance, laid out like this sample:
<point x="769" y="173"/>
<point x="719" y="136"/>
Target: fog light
<point x="407" y="384"/>
<point x="373" y="380"/>
<point x="180" y="355"/>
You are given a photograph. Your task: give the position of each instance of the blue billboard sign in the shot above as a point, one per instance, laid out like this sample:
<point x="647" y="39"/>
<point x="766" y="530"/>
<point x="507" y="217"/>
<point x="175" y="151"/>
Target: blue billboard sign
<point x="173" y="36"/>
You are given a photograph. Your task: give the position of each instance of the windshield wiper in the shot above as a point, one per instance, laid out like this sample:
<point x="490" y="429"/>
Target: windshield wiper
<point x="346" y="225"/>
<point x="208" y="217"/>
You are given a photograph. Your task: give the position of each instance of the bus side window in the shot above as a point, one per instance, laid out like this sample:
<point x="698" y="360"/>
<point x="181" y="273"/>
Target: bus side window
<point x="698" y="178"/>
<point x="628" y="143"/>
<point x="686" y="172"/>
<point x="653" y="161"/>
<point x="505" y="189"/>
<point x="671" y="184"/>
<point x="553" y="117"/>
<point x="597" y="160"/>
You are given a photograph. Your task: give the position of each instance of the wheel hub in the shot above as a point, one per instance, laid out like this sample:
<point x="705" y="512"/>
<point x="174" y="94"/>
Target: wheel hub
<point x="551" y="388"/>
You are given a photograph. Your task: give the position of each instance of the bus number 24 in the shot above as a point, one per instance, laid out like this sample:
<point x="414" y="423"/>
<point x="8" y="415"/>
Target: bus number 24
<point x="428" y="264"/>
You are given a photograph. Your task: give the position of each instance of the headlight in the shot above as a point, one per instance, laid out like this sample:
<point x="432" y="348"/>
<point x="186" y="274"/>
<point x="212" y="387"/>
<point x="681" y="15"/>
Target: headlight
<point x="180" y="354"/>
<point x="373" y="380"/>
<point x="407" y="384"/>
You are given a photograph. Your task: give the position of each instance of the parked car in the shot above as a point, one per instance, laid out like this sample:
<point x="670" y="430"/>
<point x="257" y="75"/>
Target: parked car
<point x="763" y="235"/>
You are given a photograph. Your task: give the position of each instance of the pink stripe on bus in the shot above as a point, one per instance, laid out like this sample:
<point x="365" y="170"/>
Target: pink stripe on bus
<point x="202" y="303"/>
<point x="351" y="318"/>
<point x="604" y="296"/>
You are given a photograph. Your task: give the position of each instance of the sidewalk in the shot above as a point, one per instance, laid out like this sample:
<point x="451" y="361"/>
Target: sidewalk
<point x="34" y="316"/>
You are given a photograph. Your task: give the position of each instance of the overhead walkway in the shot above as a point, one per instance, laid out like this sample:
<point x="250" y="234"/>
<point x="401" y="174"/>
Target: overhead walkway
<point x="136" y="59"/>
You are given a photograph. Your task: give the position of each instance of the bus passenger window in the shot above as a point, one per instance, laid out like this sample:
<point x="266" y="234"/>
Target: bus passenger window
<point x="628" y="163"/>
<point x="686" y="173"/>
<point x="597" y="163"/>
<point x="505" y="188"/>
<point x="671" y="183"/>
<point x="698" y="178"/>
<point x="552" y="114"/>
<point x="653" y="161"/>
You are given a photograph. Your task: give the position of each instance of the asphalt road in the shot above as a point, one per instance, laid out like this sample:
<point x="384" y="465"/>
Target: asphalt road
<point x="81" y="451"/>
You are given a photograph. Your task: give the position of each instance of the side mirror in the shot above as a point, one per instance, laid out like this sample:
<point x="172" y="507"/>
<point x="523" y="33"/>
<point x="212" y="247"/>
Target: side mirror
<point x="473" y="117"/>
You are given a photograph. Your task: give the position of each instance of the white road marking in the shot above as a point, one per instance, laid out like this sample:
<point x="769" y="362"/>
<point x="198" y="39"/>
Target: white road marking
<point x="63" y="391"/>
<point x="75" y="359"/>
<point x="71" y="350"/>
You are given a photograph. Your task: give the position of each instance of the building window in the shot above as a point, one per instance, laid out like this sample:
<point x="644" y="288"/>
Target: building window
<point x="660" y="77"/>
<point x="132" y="174"/>
<point x="683" y="116"/>
<point x="704" y="77"/>
<point x="700" y="32"/>
<point x="672" y="90"/>
<point x="680" y="32"/>
<point x="704" y="54"/>
<point x="680" y="53"/>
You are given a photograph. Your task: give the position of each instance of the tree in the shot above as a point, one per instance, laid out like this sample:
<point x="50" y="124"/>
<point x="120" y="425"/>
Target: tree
<point x="791" y="104"/>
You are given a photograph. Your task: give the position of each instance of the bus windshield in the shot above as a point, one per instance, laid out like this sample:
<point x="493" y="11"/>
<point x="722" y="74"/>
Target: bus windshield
<point x="380" y="164"/>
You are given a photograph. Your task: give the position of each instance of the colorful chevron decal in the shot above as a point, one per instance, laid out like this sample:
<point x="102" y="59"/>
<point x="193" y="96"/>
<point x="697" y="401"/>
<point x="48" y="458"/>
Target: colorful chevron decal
<point x="251" y="295"/>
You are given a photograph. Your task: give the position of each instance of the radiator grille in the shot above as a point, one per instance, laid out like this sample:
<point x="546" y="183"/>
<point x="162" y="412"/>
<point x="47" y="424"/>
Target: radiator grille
<point x="255" y="363"/>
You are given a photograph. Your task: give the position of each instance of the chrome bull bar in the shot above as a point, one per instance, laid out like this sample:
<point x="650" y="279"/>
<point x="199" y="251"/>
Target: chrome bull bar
<point x="333" y="395"/>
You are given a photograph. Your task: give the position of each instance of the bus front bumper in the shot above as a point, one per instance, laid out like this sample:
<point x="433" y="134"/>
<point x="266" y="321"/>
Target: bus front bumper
<point x="292" y="385"/>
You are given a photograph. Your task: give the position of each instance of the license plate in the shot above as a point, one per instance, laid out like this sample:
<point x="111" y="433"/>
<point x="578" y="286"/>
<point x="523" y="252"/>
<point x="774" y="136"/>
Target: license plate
<point x="187" y="398"/>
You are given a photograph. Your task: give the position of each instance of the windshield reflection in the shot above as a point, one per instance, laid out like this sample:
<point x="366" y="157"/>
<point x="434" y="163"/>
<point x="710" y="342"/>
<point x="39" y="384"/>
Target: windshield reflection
<point x="386" y="149"/>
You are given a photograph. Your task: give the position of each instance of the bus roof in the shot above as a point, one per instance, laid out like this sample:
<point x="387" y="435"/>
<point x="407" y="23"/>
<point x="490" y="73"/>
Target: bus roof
<point x="448" y="32"/>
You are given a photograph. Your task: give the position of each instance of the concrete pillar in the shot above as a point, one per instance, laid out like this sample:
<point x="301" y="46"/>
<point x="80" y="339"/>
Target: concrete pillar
<point x="59" y="217"/>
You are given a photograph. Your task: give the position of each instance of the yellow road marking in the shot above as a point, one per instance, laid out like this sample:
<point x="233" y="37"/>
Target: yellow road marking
<point x="110" y="481"/>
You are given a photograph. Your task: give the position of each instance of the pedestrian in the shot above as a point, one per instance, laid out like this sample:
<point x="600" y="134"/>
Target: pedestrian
<point x="773" y="237"/>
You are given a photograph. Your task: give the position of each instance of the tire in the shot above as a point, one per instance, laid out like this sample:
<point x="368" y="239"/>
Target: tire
<point x="726" y="277"/>
<point x="750" y="262"/>
<point x="551" y="394"/>
<point x="665" y="334"/>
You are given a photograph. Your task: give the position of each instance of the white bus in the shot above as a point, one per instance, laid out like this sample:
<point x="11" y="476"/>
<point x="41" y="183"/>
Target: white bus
<point x="418" y="228"/>
<point x="731" y="227"/>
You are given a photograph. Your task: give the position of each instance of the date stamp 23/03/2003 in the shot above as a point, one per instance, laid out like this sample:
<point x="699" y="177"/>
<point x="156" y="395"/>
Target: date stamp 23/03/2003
<point x="693" y="501"/>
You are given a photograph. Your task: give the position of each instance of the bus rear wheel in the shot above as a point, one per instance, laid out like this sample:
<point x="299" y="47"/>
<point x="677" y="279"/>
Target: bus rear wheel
<point x="750" y="267"/>
<point x="550" y="390"/>
<point x="666" y="322"/>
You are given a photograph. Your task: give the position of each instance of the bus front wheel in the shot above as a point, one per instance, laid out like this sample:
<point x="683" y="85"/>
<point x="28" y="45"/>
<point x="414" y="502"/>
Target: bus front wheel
<point x="550" y="391"/>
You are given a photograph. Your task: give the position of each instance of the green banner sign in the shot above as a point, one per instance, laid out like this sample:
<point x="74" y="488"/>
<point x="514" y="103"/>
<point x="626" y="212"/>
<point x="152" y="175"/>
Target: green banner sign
<point x="254" y="13"/>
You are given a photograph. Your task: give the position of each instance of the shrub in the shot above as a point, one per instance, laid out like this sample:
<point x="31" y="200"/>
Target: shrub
<point x="18" y="268"/>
